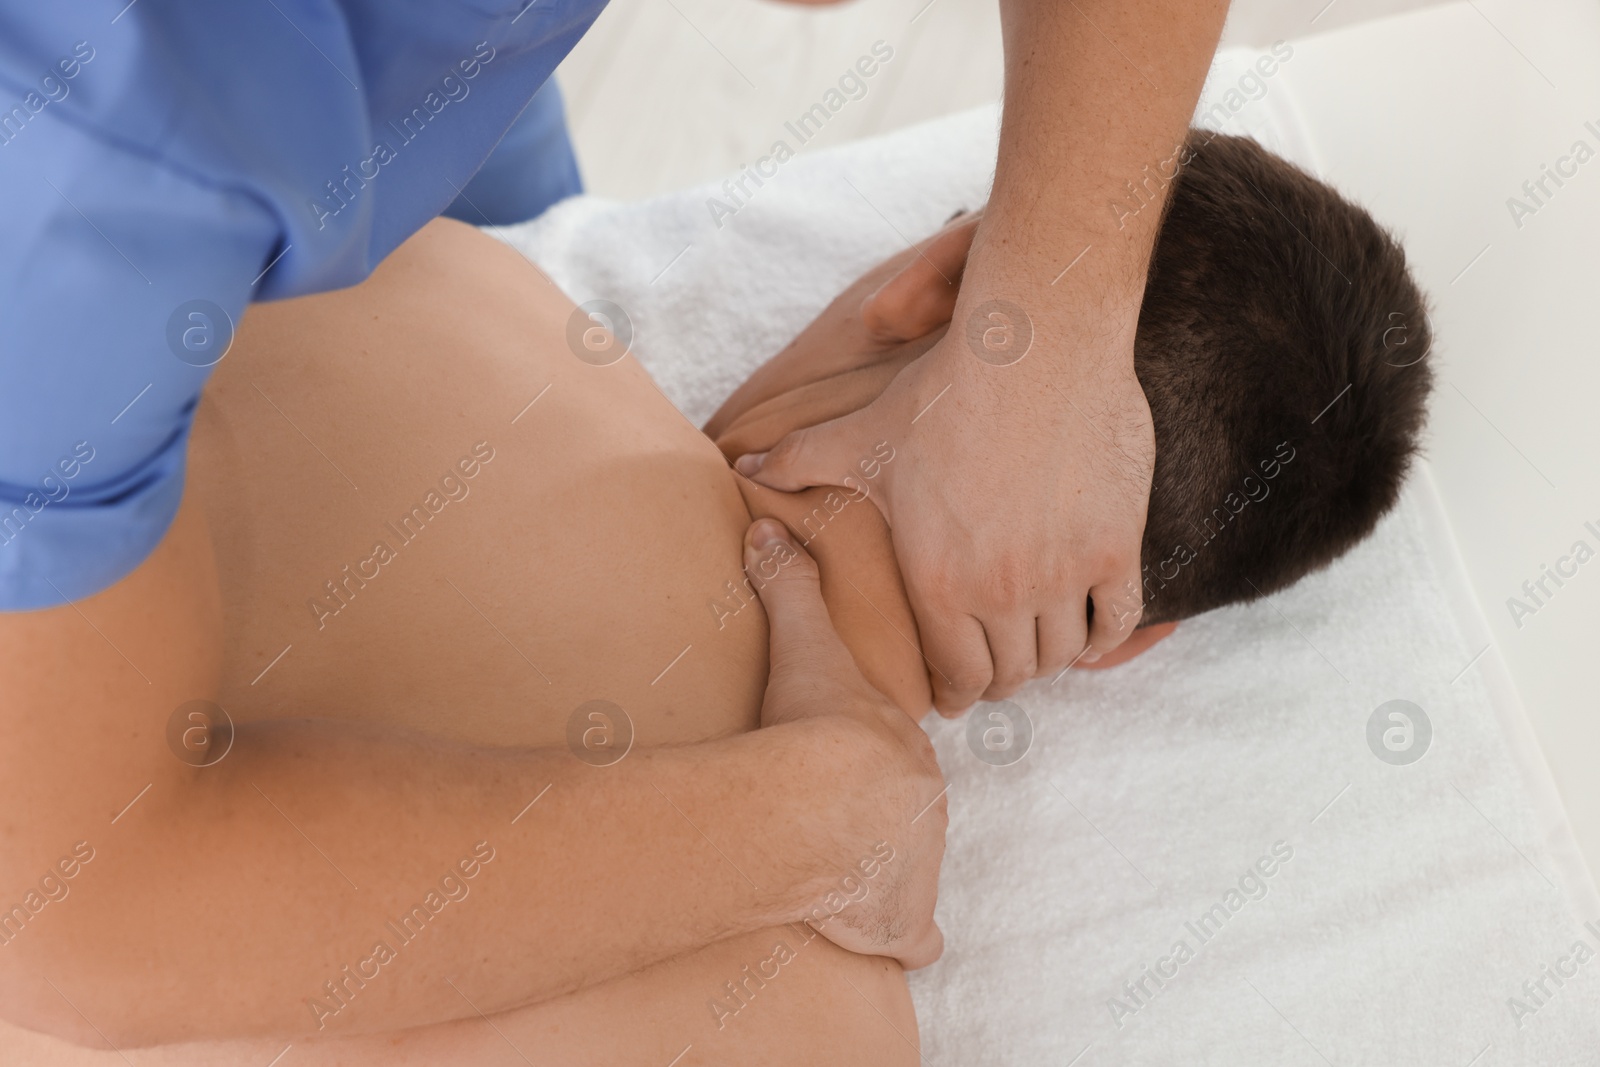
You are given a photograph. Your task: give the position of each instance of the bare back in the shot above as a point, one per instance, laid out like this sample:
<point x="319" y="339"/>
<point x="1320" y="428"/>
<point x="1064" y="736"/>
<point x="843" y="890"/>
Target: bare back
<point x="429" y="512"/>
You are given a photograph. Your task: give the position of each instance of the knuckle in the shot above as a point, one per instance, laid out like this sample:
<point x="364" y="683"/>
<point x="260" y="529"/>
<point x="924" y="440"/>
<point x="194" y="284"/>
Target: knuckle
<point x="797" y="569"/>
<point x="1008" y="584"/>
<point x="782" y="563"/>
<point x="1004" y="686"/>
<point x="1011" y="581"/>
<point x="1049" y="665"/>
<point x="1114" y="619"/>
<point x="936" y="572"/>
<point x="967" y="681"/>
<point x="1109" y="561"/>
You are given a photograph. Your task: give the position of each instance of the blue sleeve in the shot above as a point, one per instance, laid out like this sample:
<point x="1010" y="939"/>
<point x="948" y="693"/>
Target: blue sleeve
<point x="120" y="279"/>
<point x="531" y="168"/>
<point x="163" y="164"/>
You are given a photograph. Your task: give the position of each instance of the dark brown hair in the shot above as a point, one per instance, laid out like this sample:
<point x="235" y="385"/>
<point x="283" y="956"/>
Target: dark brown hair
<point x="1281" y="345"/>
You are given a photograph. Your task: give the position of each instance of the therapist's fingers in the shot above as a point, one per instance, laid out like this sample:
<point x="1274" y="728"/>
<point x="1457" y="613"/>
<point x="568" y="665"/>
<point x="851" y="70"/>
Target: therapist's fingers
<point x="1014" y="649"/>
<point x="1141" y="641"/>
<point x="1117" y="607"/>
<point x="922" y="296"/>
<point x="825" y="454"/>
<point x="804" y="642"/>
<point x="957" y="652"/>
<point x="1063" y="633"/>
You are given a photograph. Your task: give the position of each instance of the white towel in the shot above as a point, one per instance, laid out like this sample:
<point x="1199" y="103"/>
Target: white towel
<point x="1407" y="904"/>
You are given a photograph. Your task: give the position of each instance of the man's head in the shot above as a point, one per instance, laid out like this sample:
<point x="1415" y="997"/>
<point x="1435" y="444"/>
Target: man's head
<point x="1281" y="346"/>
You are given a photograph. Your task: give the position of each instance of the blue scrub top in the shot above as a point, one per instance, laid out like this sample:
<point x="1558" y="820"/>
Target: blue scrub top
<point x="166" y="162"/>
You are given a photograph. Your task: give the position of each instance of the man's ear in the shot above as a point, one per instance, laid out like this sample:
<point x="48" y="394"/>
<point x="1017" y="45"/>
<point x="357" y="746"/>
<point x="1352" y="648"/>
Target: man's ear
<point x="922" y="297"/>
<point x="1140" y="640"/>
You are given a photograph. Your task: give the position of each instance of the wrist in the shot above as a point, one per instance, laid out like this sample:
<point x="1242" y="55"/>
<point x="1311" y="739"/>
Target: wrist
<point x="1009" y="337"/>
<point x="847" y="777"/>
<point x="1066" y="268"/>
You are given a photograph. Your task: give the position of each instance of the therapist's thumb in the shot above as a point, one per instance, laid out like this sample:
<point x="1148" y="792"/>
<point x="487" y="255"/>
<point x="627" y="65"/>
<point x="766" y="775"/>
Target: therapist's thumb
<point x="805" y="648"/>
<point x="921" y="297"/>
<point x="825" y="454"/>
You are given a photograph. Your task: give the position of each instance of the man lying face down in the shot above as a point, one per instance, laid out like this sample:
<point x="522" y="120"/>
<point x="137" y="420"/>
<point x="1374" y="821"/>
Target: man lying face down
<point x="1281" y="347"/>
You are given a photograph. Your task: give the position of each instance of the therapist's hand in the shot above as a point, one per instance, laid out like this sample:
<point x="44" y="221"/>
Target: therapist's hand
<point x="895" y="797"/>
<point x="1019" y="490"/>
<point x="1016" y="498"/>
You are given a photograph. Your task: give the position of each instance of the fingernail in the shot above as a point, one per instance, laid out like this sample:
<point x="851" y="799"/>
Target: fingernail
<point x="1088" y="657"/>
<point x="749" y="463"/>
<point x="768" y="532"/>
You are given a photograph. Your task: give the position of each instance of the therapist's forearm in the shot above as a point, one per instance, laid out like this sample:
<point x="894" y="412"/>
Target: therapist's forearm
<point x="234" y="883"/>
<point x="222" y="901"/>
<point x="1098" y="94"/>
